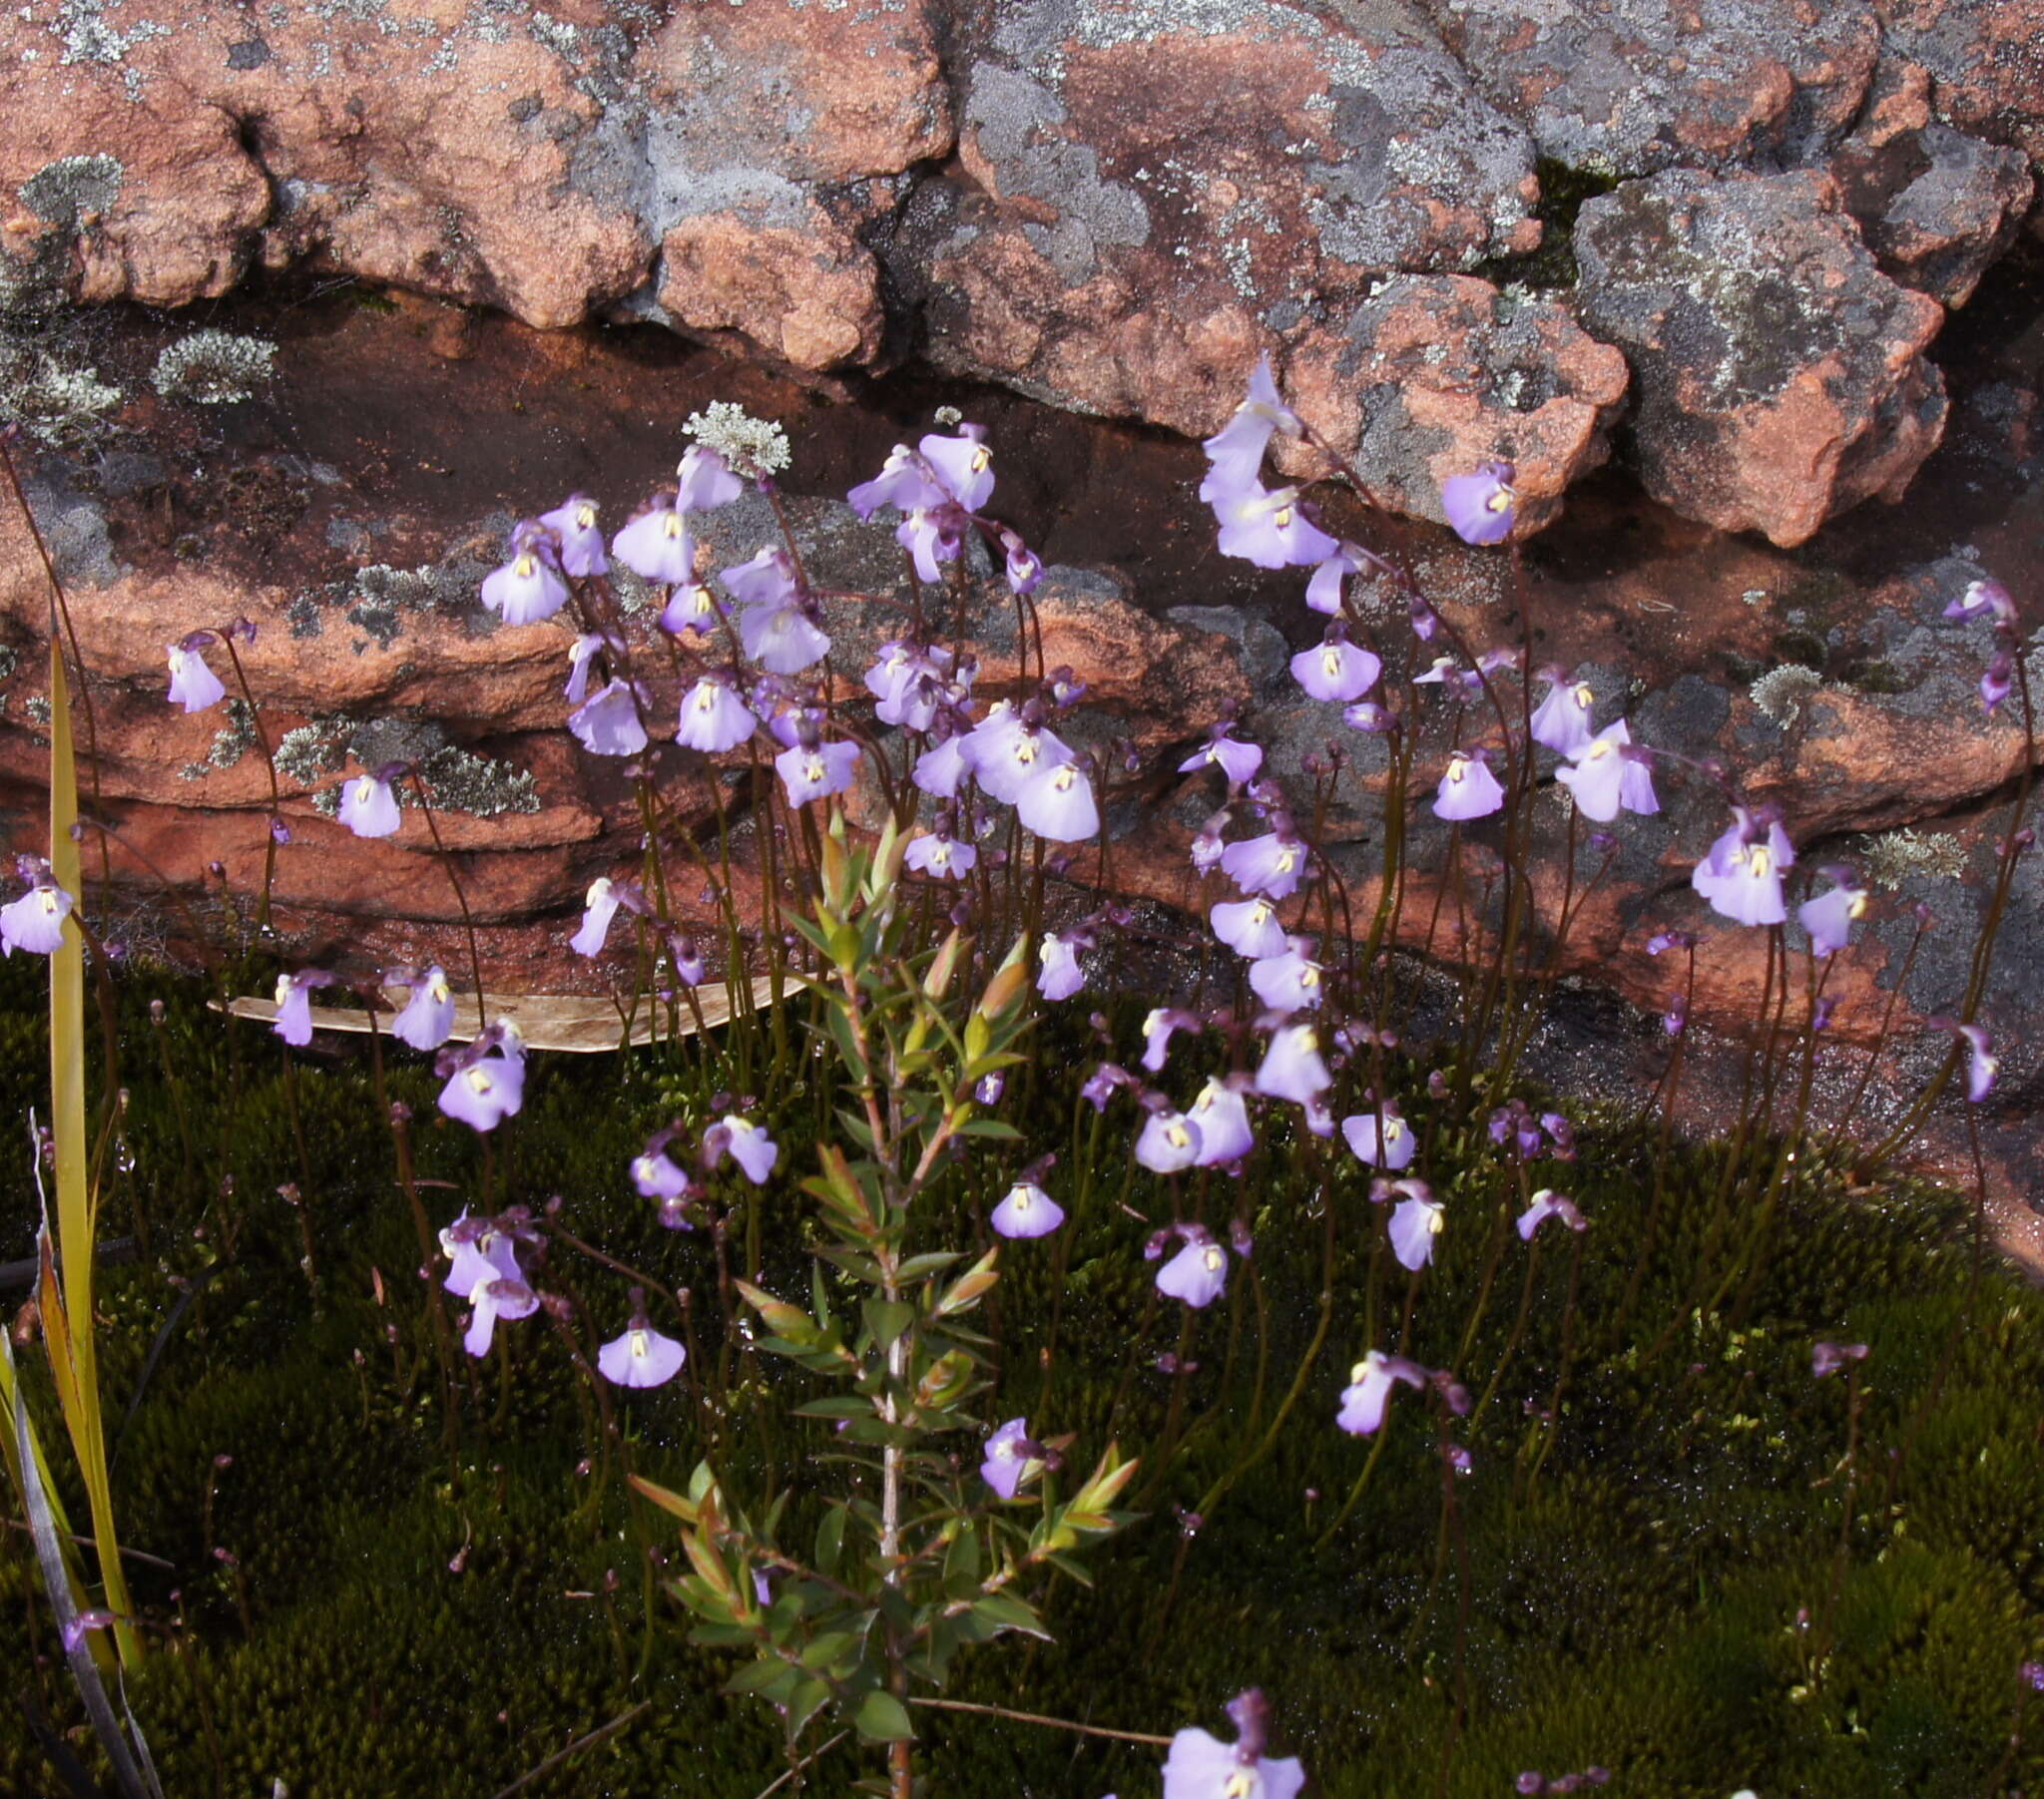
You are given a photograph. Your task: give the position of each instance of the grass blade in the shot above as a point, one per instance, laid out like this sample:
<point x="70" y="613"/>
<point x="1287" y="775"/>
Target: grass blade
<point x="77" y="1222"/>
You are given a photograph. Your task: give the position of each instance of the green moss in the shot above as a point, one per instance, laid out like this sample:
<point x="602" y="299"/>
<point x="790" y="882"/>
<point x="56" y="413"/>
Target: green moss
<point x="430" y="1615"/>
<point x="1552" y="265"/>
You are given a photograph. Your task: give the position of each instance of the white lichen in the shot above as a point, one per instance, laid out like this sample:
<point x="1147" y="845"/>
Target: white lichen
<point x="752" y="447"/>
<point x="213" y="368"/>
<point x="1779" y="694"/>
<point x="52" y="397"/>
<point x="1892" y="858"/>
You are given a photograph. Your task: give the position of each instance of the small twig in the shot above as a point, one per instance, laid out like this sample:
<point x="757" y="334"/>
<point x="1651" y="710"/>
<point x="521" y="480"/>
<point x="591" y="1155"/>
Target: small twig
<point x="575" y="1748"/>
<point x="1037" y="1717"/>
<point x="776" y="1784"/>
<point x="92" y="1542"/>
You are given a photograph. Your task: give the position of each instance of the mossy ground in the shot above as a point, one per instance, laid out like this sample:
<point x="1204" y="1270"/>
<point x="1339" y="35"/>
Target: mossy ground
<point x="405" y="1615"/>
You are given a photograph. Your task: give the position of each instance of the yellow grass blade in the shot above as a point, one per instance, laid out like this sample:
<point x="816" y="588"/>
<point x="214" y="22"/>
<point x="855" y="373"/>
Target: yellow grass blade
<point x="76" y="1208"/>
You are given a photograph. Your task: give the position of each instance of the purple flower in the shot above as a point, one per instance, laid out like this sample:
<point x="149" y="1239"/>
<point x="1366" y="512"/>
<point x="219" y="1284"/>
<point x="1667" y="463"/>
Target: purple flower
<point x="817" y="773"/>
<point x="1169" y="1142"/>
<point x="1481" y="506"/>
<point x="35" y="922"/>
<point x="478" y="1251"/>
<point x="600" y="905"/>
<point x="750" y="1145"/>
<point x="714" y="719"/>
<point x="1197" y="1274"/>
<point x="1390" y="1147"/>
<point x="905" y="684"/>
<point x="1156" y="1034"/>
<point x="428" y="1016"/>
<point x="1827" y="1359"/>
<point x="1416" y="1222"/>
<point x="690" y="610"/>
<point x="1369" y="1394"/>
<point x="1980" y="599"/>
<point x="1290" y="981"/>
<point x="1830" y="919"/>
<point x="781" y="636"/>
<point x="703" y="480"/>
<point x="1249" y="927"/>
<point x="1984" y="1064"/>
<point x="573" y="523"/>
<point x="1237" y="760"/>
<point x="963" y="465"/>
<point x="1292" y="1066"/>
<point x="941" y="768"/>
<point x="930" y="537"/>
<point x="1367" y="715"/>
<point x="941" y="857"/>
<point x="1323" y="591"/>
<point x="485" y="1091"/>
<point x="1058" y="973"/>
<point x="369" y="807"/>
<point x="1562" y="719"/>
<point x="1024" y="568"/>
<point x="1008" y="1457"/>
<point x="194" y="686"/>
<point x="1337" y="669"/>
<point x="607" y="722"/>
<point x="495" y="1299"/>
<point x="1547" y="1203"/>
<point x="1268" y="529"/>
<point x="658" y="1176"/>
<point x="1608" y="775"/>
<point x="1221" y="1116"/>
<point x="1200" y="1766"/>
<point x="1058" y="805"/>
<point x="1468" y="790"/>
<point x="1272" y="864"/>
<point x="904" y="482"/>
<point x="657" y="547"/>
<point x="581" y="663"/>
<point x="293" y="1003"/>
<point x="1006" y="753"/>
<point x="1235" y="451"/>
<point x="1027" y="1212"/>
<point x="526" y="588"/>
<point x="1997" y="681"/>
<point x="1742" y="875"/>
<point x="642" y="1357"/>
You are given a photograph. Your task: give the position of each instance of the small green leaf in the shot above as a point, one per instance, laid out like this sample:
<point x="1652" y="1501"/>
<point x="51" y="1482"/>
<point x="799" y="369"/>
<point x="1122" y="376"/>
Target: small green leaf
<point x="807" y="1699"/>
<point x="883" y="1718"/>
<point x="831" y="1540"/>
<point x="887" y="1319"/>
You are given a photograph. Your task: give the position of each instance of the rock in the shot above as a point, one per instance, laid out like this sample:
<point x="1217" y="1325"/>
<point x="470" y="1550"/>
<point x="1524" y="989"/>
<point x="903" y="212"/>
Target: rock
<point x="1983" y="59"/>
<point x="1157" y="192"/>
<point x="1631" y="86"/>
<point x="522" y="161"/>
<point x="1436" y="375"/>
<point x="806" y="291"/>
<point x="1934" y="206"/>
<point x="1780" y="375"/>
